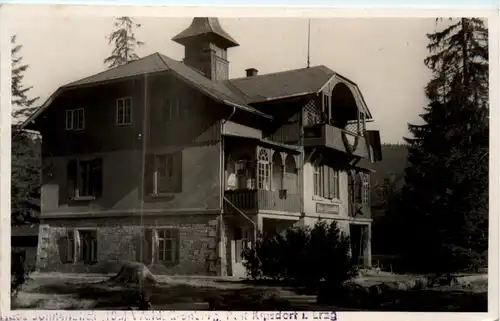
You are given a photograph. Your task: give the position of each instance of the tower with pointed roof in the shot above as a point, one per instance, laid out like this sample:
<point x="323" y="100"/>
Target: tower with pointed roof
<point x="205" y="47"/>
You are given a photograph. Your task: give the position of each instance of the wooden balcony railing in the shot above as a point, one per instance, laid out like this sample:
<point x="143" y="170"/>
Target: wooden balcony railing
<point x="255" y="200"/>
<point x="324" y="135"/>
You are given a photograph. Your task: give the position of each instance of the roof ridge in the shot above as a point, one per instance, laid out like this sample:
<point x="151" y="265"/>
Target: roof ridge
<point x="228" y="81"/>
<point x="282" y="72"/>
<point x="107" y="70"/>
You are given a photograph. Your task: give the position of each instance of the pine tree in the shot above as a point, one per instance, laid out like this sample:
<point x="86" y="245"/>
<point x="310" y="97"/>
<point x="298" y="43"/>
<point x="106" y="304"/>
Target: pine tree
<point x="25" y="157"/>
<point x="25" y="178"/>
<point x="124" y="41"/>
<point x="445" y="199"/>
<point x="22" y="106"/>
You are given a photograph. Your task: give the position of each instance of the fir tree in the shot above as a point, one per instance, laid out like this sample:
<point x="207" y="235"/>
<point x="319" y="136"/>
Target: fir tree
<point x="445" y="199"/>
<point x="124" y="41"/>
<point x="22" y="106"/>
<point x="25" y="157"/>
<point x="25" y="177"/>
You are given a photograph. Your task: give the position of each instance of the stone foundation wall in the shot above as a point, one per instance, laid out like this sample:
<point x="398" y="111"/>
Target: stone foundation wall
<point x="118" y="239"/>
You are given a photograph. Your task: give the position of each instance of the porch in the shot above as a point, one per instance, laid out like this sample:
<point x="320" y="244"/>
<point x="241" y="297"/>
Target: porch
<point x="261" y="176"/>
<point x="251" y="201"/>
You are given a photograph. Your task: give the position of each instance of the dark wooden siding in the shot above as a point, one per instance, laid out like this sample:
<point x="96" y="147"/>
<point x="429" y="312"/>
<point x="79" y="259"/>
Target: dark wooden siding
<point x="198" y="122"/>
<point x="286" y="126"/>
<point x="101" y="133"/>
<point x="197" y="136"/>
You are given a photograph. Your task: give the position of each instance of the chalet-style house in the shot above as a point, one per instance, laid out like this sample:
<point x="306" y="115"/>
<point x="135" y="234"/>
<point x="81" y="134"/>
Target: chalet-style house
<point x="177" y="165"/>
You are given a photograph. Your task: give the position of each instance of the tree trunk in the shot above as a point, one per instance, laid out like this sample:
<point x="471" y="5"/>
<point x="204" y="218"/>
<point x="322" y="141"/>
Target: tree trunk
<point x="134" y="273"/>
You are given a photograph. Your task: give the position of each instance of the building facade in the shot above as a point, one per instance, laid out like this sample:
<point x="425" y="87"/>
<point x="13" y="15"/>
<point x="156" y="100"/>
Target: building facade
<point x="176" y="165"/>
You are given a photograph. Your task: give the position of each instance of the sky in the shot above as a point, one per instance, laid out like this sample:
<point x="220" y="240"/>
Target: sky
<point x="384" y="56"/>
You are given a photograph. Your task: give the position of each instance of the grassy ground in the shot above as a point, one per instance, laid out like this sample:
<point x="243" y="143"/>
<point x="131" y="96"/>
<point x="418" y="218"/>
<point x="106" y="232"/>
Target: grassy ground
<point x="178" y="293"/>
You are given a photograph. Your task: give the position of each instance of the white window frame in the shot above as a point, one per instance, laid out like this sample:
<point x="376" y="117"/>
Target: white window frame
<point x="335" y="184"/>
<point x="161" y="234"/>
<point x="73" y="117"/>
<point x="167" y="176"/>
<point x="77" y="246"/>
<point x="121" y="104"/>
<point x="318" y="178"/>
<point x="365" y="187"/>
<point x="243" y="244"/>
<point x="264" y="170"/>
<point x="80" y="245"/>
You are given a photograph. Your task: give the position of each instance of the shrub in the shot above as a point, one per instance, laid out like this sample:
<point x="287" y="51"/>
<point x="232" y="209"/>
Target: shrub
<point x="18" y="272"/>
<point x="302" y="256"/>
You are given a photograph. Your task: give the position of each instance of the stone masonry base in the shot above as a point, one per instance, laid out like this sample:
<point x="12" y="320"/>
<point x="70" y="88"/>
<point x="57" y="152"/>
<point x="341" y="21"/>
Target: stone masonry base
<point x="118" y="239"/>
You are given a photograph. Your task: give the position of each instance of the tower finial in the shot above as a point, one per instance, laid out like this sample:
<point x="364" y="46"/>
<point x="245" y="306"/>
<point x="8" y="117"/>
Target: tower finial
<point x="205" y="47"/>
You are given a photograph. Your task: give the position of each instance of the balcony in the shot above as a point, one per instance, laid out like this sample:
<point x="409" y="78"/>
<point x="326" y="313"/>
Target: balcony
<point x="253" y="201"/>
<point x="328" y="136"/>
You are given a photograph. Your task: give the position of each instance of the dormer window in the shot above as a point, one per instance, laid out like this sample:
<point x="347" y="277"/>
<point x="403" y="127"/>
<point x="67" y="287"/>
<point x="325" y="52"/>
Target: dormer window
<point x="124" y="111"/>
<point x="75" y="119"/>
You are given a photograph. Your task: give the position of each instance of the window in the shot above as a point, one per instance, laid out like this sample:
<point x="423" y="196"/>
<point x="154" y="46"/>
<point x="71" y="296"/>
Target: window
<point x="359" y="187"/>
<point x="160" y="245"/>
<point x="85" y="178"/>
<point x="171" y="110"/>
<point x="242" y="240"/>
<point x="264" y="168"/>
<point x="124" y="111"/>
<point x="326" y="182"/>
<point x="75" y="119"/>
<point x="164" y="173"/>
<point x="365" y="182"/>
<point x="167" y="245"/>
<point x="81" y="246"/>
<point x="318" y="180"/>
<point x="88" y="246"/>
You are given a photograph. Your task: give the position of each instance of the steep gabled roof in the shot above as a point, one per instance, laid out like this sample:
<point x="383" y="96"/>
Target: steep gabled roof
<point x="287" y="84"/>
<point x="281" y="84"/>
<point x="152" y="64"/>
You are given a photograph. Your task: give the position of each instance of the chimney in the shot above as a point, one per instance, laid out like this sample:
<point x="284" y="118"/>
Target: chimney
<point x="251" y="72"/>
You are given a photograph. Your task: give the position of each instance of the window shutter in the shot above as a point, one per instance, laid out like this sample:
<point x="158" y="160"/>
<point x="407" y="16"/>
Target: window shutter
<point x="70" y="246"/>
<point x="331" y="184"/>
<point x="324" y="181"/>
<point x="351" y="186"/>
<point x="178" y="172"/>
<point x="149" y="171"/>
<point x="93" y="246"/>
<point x="71" y="177"/>
<point x="96" y="176"/>
<point x="177" y="237"/>
<point x="357" y="187"/>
